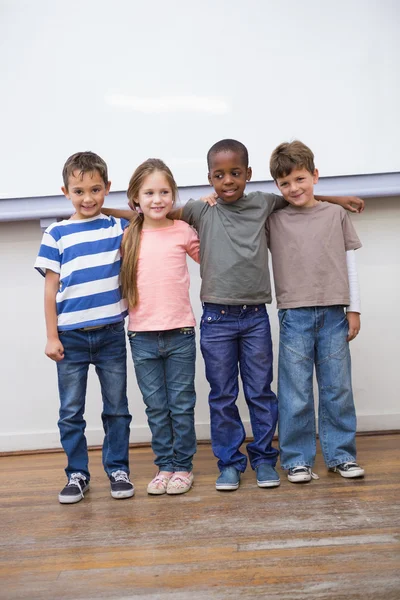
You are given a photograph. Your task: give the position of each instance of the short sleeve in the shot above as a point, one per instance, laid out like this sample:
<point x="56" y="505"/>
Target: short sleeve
<point x="192" y="212"/>
<point x="275" y="202"/>
<point x="49" y="255"/>
<point x="193" y="244"/>
<point x="351" y="239"/>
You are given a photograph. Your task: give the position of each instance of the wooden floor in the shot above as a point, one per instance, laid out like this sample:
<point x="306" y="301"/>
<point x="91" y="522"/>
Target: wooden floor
<point x="331" y="539"/>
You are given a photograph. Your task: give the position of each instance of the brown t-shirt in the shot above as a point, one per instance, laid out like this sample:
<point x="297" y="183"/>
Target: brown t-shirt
<point x="308" y="247"/>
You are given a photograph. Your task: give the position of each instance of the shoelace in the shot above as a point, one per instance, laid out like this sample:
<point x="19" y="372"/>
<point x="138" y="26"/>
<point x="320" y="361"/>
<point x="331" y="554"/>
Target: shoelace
<point x="120" y="476"/>
<point x="308" y="469"/>
<point x="75" y="479"/>
<point x="348" y="465"/>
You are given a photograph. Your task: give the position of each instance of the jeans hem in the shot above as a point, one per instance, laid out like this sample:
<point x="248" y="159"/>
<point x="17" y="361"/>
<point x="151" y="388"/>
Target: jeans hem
<point x="286" y="467"/>
<point x="339" y="461"/>
<point x="262" y="461"/>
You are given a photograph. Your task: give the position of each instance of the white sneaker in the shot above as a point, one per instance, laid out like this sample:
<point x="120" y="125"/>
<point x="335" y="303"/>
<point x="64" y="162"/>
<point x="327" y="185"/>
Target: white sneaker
<point x="301" y="474"/>
<point x="349" y="469"/>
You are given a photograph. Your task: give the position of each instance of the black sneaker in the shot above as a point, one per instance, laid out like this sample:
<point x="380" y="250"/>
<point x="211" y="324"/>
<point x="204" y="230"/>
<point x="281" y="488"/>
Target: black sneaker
<point x="121" y="487"/>
<point x="349" y="470"/>
<point x="301" y="474"/>
<point x="73" y="491"/>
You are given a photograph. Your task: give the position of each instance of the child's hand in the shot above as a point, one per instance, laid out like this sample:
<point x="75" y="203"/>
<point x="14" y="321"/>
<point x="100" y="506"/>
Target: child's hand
<point x="353" y="319"/>
<point x="211" y="199"/>
<point x="54" y="349"/>
<point x="353" y="204"/>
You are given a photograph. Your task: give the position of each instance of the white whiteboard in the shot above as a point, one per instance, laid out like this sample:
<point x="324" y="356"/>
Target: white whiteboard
<point x="167" y="79"/>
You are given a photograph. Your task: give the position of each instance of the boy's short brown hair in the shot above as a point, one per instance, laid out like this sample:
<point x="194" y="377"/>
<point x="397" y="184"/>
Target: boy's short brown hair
<point x="84" y="162"/>
<point x="289" y="156"/>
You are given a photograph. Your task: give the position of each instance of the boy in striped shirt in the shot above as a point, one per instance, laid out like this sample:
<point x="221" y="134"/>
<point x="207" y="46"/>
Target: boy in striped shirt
<point x="84" y="311"/>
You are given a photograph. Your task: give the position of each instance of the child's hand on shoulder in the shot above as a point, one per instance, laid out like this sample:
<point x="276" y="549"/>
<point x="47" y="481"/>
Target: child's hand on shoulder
<point x="353" y="319"/>
<point x="353" y="204"/>
<point x="54" y="349"/>
<point x="211" y="199"/>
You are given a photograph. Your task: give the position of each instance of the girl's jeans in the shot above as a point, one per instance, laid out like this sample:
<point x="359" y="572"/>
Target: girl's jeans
<point x="308" y="336"/>
<point x="104" y="348"/>
<point x="234" y="337"/>
<point x="165" y="368"/>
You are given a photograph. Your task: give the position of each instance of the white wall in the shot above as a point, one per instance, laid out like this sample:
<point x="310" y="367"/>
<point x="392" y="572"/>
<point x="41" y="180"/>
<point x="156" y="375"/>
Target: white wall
<point x="28" y="383"/>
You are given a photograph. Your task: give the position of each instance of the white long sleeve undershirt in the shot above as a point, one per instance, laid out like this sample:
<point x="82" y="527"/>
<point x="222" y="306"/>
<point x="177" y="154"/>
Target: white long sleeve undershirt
<point x="355" y="301"/>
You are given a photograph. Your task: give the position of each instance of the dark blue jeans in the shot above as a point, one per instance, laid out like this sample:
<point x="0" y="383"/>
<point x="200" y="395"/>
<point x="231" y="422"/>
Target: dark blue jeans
<point x="234" y="337"/>
<point x="165" y="367"/>
<point x="104" y="348"/>
<point x="315" y="336"/>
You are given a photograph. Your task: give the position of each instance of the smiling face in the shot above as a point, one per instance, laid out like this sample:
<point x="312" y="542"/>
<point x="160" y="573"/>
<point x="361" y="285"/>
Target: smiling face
<point x="86" y="192"/>
<point x="155" y="199"/>
<point x="297" y="188"/>
<point x="228" y="175"/>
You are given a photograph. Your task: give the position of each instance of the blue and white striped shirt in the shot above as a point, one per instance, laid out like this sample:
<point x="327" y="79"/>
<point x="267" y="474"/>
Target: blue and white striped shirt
<point x="86" y="254"/>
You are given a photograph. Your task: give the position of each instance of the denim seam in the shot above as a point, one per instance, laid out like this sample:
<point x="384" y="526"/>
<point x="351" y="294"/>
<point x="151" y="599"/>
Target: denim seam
<point x="296" y="353"/>
<point x="320" y="362"/>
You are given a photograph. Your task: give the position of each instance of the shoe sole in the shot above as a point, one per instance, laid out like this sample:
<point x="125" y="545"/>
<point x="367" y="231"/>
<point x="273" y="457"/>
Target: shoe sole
<point x="179" y="491"/>
<point x="349" y="475"/>
<point x="299" y="478"/>
<point x="72" y="499"/>
<point x="156" y="492"/>
<point x="121" y="495"/>
<point x="225" y="487"/>
<point x="268" y="484"/>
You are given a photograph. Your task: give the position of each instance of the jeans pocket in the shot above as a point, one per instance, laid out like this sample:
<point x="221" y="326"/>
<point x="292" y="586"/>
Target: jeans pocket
<point x="210" y="318"/>
<point x="117" y="328"/>
<point x="64" y="333"/>
<point x="282" y="312"/>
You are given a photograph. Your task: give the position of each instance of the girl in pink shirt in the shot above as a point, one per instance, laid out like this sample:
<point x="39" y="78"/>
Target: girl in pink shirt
<point x="155" y="281"/>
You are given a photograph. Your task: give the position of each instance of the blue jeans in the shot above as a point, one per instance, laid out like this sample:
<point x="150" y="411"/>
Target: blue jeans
<point x="234" y="337"/>
<point x="164" y="364"/>
<point x="104" y="348"/>
<point x="308" y="336"/>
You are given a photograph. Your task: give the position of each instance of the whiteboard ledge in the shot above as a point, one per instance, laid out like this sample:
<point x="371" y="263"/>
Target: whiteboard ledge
<point x="49" y="208"/>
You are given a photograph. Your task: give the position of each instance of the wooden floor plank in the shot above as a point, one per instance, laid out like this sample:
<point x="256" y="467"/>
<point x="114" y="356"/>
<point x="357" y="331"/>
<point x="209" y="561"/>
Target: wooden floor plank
<point x="330" y="539"/>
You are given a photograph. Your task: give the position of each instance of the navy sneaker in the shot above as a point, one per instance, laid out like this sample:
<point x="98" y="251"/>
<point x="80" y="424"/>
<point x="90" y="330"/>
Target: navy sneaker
<point x="349" y="469"/>
<point x="121" y="487"/>
<point x="228" y="480"/>
<point x="73" y="491"/>
<point x="267" y="476"/>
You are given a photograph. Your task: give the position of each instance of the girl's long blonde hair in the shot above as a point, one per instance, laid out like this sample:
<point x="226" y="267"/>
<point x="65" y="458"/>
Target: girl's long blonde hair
<point x="132" y="237"/>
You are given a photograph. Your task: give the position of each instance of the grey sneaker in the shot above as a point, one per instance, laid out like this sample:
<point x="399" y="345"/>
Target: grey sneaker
<point x="349" y="470"/>
<point x="73" y="491"/>
<point x="267" y="476"/>
<point x="121" y="487"/>
<point x="228" y="480"/>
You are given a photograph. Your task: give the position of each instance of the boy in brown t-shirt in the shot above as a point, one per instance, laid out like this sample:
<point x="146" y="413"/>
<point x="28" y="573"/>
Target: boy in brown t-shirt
<point x="312" y="246"/>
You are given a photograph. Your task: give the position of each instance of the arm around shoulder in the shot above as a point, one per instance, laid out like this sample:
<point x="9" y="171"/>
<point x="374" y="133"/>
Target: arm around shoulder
<point x="350" y="203"/>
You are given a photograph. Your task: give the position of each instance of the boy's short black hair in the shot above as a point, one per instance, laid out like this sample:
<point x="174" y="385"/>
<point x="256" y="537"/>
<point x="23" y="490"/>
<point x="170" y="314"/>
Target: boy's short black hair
<point x="228" y="146"/>
<point x="84" y="162"/>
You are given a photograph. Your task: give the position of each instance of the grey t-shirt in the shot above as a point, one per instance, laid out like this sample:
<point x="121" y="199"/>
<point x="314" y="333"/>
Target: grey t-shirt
<point x="233" y="247"/>
<point x="308" y="247"/>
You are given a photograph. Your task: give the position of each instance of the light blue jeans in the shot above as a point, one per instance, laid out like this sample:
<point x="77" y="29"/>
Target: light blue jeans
<point x="104" y="348"/>
<point x="308" y="337"/>
<point x="164" y="364"/>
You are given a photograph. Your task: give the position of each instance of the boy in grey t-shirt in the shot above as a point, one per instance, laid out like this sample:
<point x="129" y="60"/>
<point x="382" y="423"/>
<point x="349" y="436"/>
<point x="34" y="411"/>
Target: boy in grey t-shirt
<point x="312" y="247"/>
<point x="235" y="330"/>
